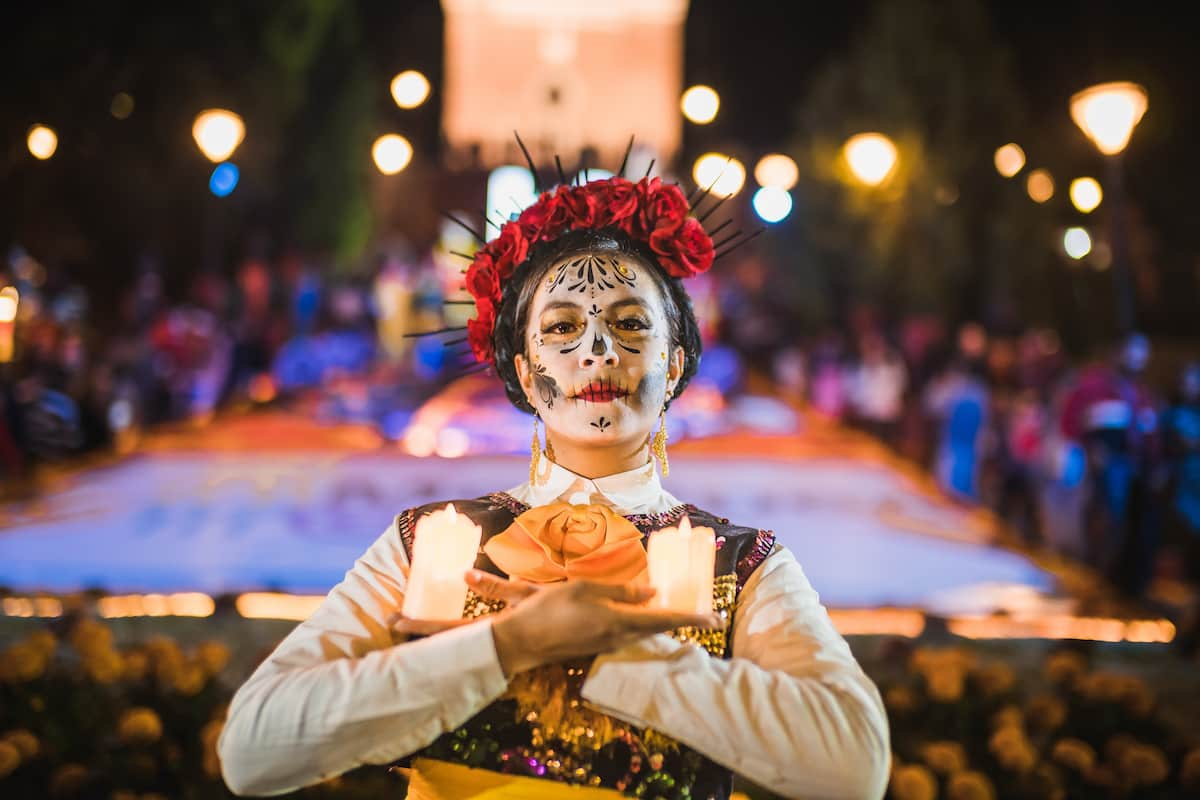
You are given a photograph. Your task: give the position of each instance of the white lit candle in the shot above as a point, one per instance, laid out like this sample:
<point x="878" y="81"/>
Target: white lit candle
<point x="681" y="567"/>
<point x="445" y="544"/>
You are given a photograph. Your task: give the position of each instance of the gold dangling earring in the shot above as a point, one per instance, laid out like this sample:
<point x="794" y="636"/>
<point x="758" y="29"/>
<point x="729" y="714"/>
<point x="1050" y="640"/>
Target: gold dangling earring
<point x="535" y="450"/>
<point x="659" y="445"/>
<point x="549" y="453"/>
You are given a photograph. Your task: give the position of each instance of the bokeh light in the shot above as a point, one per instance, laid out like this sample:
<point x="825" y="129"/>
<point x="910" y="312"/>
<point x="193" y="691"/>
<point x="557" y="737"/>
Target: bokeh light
<point x="9" y="300"/>
<point x="776" y="170"/>
<point x="391" y="152"/>
<point x="772" y="203"/>
<point x="723" y="174"/>
<point x="1108" y="113"/>
<point x="871" y="157"/>
<point x="1010" y="159"/>
<point x="510" y="190"/>
<point x="224" y="179"/>
<point x="1039" y="185"/>
<point x="42" y="142"/>
<point x="1077" y="243"/>
<point x="121" y="106"/>
<point x="1086" y="194"/>
<point x="218" y="133"/>
<point x="410" y="89"/>
<point x="700" y="104"/>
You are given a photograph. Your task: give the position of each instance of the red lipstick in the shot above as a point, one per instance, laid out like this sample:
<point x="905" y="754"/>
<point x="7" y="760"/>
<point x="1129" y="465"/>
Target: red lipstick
<point x="600" y="392"/>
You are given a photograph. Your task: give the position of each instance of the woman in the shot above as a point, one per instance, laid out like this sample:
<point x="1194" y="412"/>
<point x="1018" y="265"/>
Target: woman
<point x="560" y="673"/>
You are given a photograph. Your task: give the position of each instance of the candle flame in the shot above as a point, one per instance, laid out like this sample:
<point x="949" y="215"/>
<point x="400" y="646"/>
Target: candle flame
<point x="453" y="514"/>
<point x="685" y="526"/>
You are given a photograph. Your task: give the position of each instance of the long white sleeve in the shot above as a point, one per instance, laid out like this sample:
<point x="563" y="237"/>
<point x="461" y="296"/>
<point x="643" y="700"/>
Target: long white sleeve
<point x="338" y="692"/>
<point x="791" y="710"/>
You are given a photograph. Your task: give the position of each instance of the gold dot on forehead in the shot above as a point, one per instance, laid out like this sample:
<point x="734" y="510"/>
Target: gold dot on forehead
<point x="622" y="270"/>
<point x="663" y="356"/>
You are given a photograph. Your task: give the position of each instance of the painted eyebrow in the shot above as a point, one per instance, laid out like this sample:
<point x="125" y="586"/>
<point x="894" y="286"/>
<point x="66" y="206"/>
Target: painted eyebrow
<point x="629" y="302"/>
<point x="554" y="305"/>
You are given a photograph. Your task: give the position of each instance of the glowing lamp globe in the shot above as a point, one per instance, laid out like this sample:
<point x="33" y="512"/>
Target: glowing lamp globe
<point x="700" y="104"/>
<point x="410" y="88"/>
<point x="391" y="153"/>
<point x="1039" y="185"/>
<point x="42" y="142"/>
<point x="1086" y="194"/>
<point x="1077" y="243"/>
<point x="772" y="204"/>
<point x="722" y="175"/>
<point x="218" y="133"/>
<point x="1009" y="159"/>
<point x="1108" y="112"/>
<point x="871" y="157"/>
<point x="776" y="170"/>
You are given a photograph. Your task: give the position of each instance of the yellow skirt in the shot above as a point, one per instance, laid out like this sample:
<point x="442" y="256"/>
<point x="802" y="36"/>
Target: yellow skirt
<point x="431" y="779"/>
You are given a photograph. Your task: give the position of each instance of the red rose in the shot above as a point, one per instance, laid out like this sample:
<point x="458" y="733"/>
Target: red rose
<point x="663" y="206"/>
<point x="585" y="206"/>
<point x="482" y="279"/>
<point x="479" y="330"/>
<point x="508" y="249"/>
<point x="546" y="218"/>
<point x="684" y="252"/>
<point x="621" y="201"/>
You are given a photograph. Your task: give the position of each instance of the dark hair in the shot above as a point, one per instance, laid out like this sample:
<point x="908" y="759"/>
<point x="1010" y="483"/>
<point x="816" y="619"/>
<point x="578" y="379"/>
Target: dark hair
<point x="513" y="314"/>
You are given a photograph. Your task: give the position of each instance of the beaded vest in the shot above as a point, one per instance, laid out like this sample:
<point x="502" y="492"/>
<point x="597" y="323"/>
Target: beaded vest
<point x="542" y="728"/>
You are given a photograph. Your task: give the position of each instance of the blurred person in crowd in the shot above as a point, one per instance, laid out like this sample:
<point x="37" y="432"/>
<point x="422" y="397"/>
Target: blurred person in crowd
<point x="1181" y="435"/>
<point x="828" y="376"/>
<point x="959" y="400"/>
<point x="877" y="386"/>
<point x="1113" y="414"/>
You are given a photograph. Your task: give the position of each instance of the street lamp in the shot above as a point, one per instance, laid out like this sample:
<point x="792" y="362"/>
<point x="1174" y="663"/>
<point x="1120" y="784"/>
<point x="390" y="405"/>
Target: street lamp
<point x="391" y="153"/>
<point x="42" y="142"/>
<point x="218" y="133"/>
<point x="700" y="104"/>
<point x="871" y="157"/>
<point x="1107" y="114"/>
<point x="410" y="88"/>
<point x="1086" y="194"/>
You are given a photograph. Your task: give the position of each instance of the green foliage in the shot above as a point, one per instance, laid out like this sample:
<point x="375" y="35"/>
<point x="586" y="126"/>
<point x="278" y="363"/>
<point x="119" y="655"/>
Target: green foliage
<point x="944" y="232"/>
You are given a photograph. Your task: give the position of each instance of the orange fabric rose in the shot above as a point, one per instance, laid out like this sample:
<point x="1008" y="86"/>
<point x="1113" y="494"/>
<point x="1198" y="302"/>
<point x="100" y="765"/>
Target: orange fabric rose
<point x="559" y="541"/>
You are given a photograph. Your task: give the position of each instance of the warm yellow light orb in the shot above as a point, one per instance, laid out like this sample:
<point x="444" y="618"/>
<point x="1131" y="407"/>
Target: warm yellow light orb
<point x="42" y="142"/>
<point x="392" y="153"/>
<point x="700" y="104"/>
<point x="723" y="174"/>
<point x="1086" y="194"/>
<point x="410" y="88"/>
<point x="1108" y="113"/>
<point x="1040" y="186"/>
<point x="1009" y="159"/>
<point x="121" y="106"/>
<point x="9" y="300"/>
<point x="776" y="170"/>
<point x="1077" y="243"/>
<point x="871" y="157"/>
<point x="218" y="133"/>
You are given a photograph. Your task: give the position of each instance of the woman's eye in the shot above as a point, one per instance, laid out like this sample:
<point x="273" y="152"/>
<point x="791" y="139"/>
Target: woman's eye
<point x="559" y="327"/>
<point x="632" y="324"/>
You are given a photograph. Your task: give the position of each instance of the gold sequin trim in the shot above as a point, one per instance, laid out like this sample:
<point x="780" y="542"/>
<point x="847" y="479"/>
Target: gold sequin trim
<point x="714" y="640"/>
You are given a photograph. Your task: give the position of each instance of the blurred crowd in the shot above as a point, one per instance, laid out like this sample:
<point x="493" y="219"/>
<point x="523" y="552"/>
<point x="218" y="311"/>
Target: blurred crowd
<point x="1088" y="458"/>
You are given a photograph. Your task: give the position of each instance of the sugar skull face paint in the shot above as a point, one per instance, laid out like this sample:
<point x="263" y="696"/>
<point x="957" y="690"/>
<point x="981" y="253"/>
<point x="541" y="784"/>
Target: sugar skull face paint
<point x="599" y="362"/>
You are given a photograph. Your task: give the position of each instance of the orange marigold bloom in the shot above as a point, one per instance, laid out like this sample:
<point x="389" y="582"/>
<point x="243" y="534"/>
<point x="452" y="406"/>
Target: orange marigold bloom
<point x="1065" y="667"/>
<point x="139" y="725"/>
<point x="26" y="743"/>
<point x="913" y="782"/>
<point x="1046" y="712"/>
<point x="945" y="685"/>
<point x="995" y="679"/>
<point x="10" y="759"/>
<point x="900" y="699"/>
<point x="970" y="785"/>
<point x="944" y="757"/>
<point x="1144" y="765"/>
<point x="1074" y="753"/>
<point x="1189" y="770"/>
<point x="213" y="655"/>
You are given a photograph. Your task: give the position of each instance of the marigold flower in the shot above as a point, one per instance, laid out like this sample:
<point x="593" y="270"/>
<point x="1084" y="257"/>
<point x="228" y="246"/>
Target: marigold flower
<point x="970" y="785"/>
<point x="913" y="782"/>
<point x="900" y="699"/>
<point x="104" y="666"/>
<point x="137" y="663"/>
<point x="26" y="743"/>
<point x="1065" y="667"/>
<point x="1008" y="716"/>
<point x="1189" y="770"/>
<point x="944" y="757"/>
<point x="1013" y="749"/>
<point x="1102" y="775"/>
<point x="22" y="662"/>
<point x="44" y="641"/>
<point x="1144" y="765"/>
<point x="139" y="725"/>
<point x="67" y="780"/>
<point x="10" y="759"/>
<point x="209" y="735"/>
<point x="1045" y="712"/>
<point x="945" y="685"/>
<point x="213" y="655"/>
<point x="1074" y="753"/>
<point x="89" y="636"/>
<point x="189" y="679"/>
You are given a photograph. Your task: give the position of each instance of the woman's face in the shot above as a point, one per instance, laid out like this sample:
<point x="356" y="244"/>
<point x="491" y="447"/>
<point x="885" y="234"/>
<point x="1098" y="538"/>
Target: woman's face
<point x="599" y="362"/>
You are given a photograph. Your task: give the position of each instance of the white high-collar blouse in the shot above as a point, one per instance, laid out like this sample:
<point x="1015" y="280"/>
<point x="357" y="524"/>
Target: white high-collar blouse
<point x="791" y="710"/>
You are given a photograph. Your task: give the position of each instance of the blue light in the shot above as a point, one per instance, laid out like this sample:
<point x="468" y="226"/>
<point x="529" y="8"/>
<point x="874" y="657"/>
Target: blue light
<point x="224" y="179"/>
<point x="772" y="203"/>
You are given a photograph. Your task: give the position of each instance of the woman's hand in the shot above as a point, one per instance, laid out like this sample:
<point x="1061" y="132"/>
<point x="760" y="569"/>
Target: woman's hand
<point x="511" y="590"/>
<point x="581" y="618"/>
